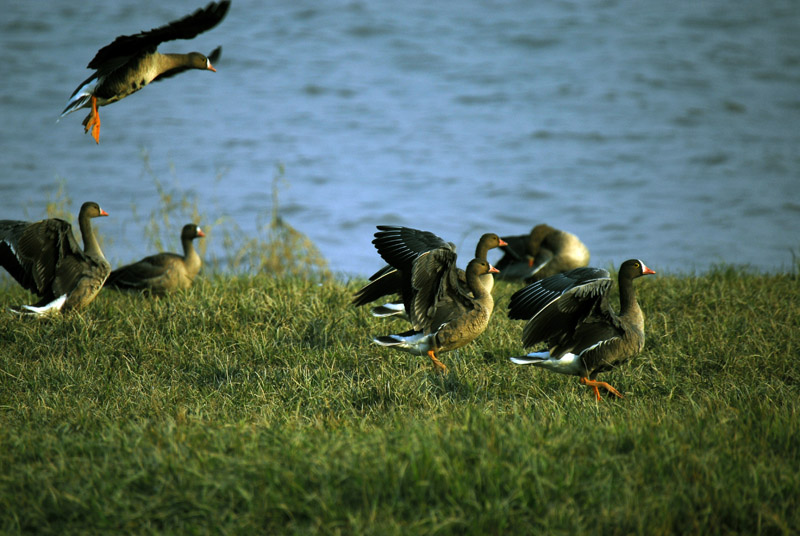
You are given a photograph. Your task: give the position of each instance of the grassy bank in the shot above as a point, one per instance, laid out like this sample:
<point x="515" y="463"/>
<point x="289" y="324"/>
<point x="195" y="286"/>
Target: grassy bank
<point x="259" y="405"/>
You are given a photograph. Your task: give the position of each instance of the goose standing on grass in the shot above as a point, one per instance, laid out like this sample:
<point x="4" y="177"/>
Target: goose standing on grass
<point x="571" y="314"/>
<point x="45" y="258"/>
<point x="401" y="246"/>
<point x="445" y="314"/>
<point x="131" y="62"/>
<point x="543" y="252"/>
<point x="164" y="272"/>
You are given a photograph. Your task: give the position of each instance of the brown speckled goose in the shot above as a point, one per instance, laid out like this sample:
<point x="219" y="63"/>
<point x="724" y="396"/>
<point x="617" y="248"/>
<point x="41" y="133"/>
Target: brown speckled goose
<point x="164" y="272"/>
<point x="571" y="314"/>
<point x="444" y="314"/>
<point x="131" y="62"/>
<point x="45" y="258"/>
<point x="543" y="252"/>
<point x="400" y="246"/>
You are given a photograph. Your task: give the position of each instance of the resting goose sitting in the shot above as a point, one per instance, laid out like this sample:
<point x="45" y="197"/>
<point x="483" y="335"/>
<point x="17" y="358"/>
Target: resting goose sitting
<point x="571" y="314"/>
<point x="164" y="272"/>
<point x="400" y="246"/>
<point x="445" y="314"/>
<point x="45" y="258"/>
<point x="131" y="62"/>
<point x="543" y="252"/>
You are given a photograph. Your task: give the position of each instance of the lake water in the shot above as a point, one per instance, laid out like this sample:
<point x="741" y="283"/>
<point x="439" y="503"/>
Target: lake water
<point x="668" y="131"/>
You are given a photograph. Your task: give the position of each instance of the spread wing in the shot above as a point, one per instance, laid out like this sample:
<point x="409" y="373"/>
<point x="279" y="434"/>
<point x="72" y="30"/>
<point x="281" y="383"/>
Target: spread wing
<point x="126" y="46"/>
<point x="439" y="297"/>
<point x="400" y="246"/>
<point x="557" y="305"/>
<point x="33" y="253"/>
<point x="386" y="281"/>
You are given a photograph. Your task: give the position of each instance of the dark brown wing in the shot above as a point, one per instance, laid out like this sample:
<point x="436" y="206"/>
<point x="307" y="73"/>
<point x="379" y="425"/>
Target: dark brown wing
<point x="213" y="57"/>
<point x="438" y="295"/>
<point x="558" y="304"/>
<point x="515" y="251"/>
<point x="598" y="337"/>
<point x="80" y="277"/>
<point x="403" y="245"/>
<point x="528" y="301"/>
<point x="188" y="27"/>
<point x="140" y="274"/>
<point x="385" y="282"/>
<point x="400" y="246"/>
<point x="32" y="252"/>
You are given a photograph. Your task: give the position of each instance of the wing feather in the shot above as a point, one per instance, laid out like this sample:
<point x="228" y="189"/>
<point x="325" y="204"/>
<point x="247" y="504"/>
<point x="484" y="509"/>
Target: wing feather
<point x="126" y="46"/>
<point x="437" y="293"/>
<point x="400" y="246"/>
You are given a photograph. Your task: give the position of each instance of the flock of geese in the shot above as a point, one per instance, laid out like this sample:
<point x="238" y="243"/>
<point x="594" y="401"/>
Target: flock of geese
<point x="565" y="303"/>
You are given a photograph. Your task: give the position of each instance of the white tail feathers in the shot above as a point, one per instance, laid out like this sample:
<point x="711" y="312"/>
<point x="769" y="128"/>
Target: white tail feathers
<point x="52" y="307"/>
<point x="82" y="97"/>
<point x="530" y="359"/>
<point x="415" y="342"/>
<point x="76" y="103"/>
<point x="568" y="363"/>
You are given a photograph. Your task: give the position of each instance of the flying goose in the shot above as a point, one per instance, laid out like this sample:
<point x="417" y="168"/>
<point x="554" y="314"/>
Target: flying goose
<point x="45" y="258"/>
<point x="571" y="314"/>
<point x="163" y="272"/>
<point x="543" y="252"/>
<point x="131" y="62"/>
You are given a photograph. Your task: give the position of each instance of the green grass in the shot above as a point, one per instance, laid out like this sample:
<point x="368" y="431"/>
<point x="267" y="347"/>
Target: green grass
<point x="258" y="405"/>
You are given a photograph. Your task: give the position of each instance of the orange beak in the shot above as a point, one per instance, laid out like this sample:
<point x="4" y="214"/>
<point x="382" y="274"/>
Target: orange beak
<point x="493" y="270"/>
<point x="103" y="212"/>
<point x="502" y="243"/>
<point x="211" y="68"/>
<point x="200" y="232"/>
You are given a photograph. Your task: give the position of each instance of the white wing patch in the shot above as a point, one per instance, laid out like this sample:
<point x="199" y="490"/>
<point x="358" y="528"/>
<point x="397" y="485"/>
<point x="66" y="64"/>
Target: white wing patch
<point x="11" y="247"/>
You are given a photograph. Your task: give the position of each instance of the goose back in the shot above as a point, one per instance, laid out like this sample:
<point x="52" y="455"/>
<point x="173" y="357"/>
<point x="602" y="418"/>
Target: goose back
<point x="544" y="252"/>
<point x="162" y="272"/>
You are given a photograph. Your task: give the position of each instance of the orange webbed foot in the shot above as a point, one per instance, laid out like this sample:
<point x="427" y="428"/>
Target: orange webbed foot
<point x="89" y="122"/>
<point x="595" y="384"/>
<point x="92" y="122"/>
<point x="438" y="364"/>
<point x="96" y="122"/>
